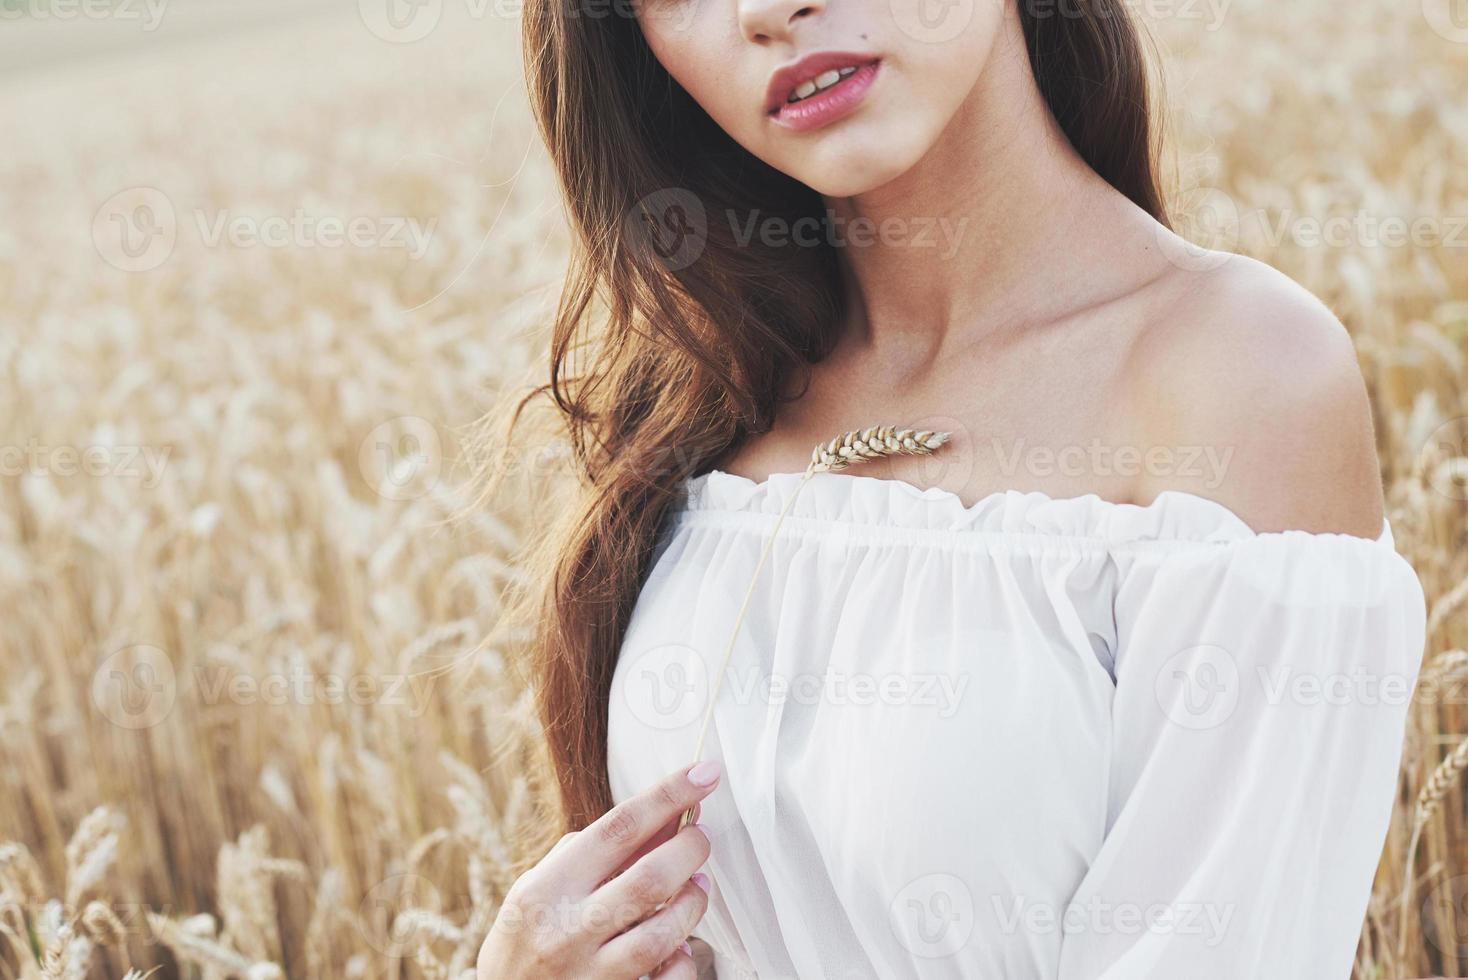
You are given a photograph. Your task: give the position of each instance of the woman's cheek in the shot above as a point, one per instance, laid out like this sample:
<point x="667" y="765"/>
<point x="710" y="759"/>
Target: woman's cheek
<point x="734" y="107"/>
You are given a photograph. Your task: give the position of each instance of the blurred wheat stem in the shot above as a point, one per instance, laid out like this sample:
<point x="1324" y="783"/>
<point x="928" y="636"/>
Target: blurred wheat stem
<point x="851" y="447"/>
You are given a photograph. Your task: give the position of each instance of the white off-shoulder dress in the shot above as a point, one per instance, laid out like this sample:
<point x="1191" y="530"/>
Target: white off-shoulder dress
<point x="1024" y="738"/>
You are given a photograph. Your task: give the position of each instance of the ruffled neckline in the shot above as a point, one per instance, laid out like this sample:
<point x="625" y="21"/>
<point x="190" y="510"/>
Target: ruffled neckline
<point x="855" y="499"/>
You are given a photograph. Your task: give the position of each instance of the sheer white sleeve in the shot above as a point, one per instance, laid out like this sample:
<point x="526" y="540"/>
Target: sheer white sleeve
<point x="1261" y="695"/>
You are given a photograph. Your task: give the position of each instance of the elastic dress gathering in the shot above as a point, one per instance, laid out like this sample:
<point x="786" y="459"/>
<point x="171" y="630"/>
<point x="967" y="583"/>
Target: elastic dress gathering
<point x="1030" y="738"/>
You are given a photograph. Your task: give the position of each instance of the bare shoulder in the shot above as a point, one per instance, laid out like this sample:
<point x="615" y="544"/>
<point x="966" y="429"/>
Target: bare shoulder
<point x="1243" y="362"/>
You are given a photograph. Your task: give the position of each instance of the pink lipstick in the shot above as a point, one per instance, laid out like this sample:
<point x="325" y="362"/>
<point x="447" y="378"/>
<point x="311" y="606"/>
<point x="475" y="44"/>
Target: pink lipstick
<point x="820" y="88"/>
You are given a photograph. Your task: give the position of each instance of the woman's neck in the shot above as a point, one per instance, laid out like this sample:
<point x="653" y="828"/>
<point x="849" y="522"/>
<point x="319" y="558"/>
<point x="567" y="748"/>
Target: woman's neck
<point x="998" y="225"/>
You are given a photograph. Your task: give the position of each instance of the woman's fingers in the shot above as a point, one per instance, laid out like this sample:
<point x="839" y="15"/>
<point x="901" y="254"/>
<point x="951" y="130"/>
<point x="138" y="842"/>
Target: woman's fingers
<point x="679" y="966"/>
<point x="647" y="945"/>
<point x="662" y="836"/>
<point x="607" y="844"/>
<point x="556" y="919"/>
<point x="637" y="892"/>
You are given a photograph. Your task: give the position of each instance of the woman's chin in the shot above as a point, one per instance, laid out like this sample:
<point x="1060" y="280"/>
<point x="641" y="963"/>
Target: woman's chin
<point x="851" y="173"/>
<point x="857" y="155"/>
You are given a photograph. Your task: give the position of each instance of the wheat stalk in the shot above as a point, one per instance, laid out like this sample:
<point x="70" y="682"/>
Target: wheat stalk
<point x="1444" y="607"/>
<point x="846" y="449"/>
<point x="1443" y="778"/>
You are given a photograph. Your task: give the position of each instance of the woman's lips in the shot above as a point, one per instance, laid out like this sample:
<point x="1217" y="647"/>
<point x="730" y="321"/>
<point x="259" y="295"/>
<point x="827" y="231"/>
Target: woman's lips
<point x="829" y="104"/>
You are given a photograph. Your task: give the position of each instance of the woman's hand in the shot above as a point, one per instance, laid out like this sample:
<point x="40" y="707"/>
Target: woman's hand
<point x="616" y="900"/>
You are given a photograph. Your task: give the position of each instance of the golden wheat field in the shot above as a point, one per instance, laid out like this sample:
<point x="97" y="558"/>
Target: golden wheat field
<point x="262" y="269"/>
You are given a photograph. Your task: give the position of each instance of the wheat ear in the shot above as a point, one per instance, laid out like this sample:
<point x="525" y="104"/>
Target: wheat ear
<point x="851" y="447"/>
<point x="1443" y="779"/>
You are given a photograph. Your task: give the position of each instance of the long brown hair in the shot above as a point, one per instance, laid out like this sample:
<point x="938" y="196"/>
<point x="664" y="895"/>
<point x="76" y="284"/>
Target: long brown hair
<point x="673" y="339"/>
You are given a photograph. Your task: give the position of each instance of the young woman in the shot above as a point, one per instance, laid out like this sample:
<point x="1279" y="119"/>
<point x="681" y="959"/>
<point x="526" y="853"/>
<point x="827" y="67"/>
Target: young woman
<point x="1112" y="685"/>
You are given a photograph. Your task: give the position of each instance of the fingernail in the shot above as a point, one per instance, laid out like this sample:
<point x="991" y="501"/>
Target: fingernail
<point x="701" y="880"/>
<point x="703" y="828"/>
<point x="704" y="774"/>
<point x="686" y="948"/>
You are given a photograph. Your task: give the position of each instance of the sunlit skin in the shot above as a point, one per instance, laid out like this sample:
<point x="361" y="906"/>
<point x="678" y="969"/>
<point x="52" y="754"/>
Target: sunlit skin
<point x="1065" y="315"/>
